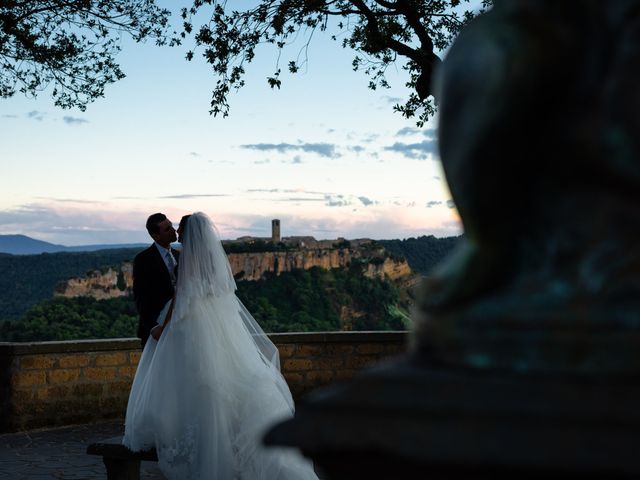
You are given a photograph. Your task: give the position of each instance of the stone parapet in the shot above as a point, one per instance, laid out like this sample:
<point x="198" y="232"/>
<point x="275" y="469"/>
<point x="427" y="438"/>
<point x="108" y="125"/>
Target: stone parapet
<point x="59" y="383"/>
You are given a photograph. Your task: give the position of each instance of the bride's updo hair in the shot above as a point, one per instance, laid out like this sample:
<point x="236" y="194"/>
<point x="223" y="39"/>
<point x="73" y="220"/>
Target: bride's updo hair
<point x="203" y="268"/>
<point x="182" y="226"/>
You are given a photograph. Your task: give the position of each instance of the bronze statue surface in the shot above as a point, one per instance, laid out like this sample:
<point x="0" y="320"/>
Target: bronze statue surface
<point x="525" y="354"/>
<point x="540" y="142"/>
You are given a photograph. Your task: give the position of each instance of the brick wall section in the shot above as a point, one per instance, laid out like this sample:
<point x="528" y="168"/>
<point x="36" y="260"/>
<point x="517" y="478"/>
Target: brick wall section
<point x="311" y="360"/>
<point x="59" y="383"/>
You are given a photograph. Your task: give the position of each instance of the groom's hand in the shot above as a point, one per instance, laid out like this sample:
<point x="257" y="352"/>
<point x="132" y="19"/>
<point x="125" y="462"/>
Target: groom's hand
<point x="156" y="332"/>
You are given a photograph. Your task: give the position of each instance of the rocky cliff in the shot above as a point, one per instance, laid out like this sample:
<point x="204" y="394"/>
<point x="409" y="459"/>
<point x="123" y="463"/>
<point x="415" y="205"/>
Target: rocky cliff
<point x="253" y="266"/>
<point x="116" y="282"/>
<point x="99" y="284"/>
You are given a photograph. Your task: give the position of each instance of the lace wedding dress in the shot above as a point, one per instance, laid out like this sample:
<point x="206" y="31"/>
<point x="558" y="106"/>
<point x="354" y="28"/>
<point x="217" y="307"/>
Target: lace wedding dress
<point x="207" y="390"/>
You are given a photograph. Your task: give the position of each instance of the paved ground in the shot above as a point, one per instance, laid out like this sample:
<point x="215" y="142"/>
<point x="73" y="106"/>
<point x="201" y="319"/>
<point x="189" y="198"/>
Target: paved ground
<point x="60" y="454"/>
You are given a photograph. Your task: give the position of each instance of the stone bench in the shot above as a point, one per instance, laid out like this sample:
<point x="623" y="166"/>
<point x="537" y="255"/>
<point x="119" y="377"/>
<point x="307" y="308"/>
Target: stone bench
<point x="121" y="463"/>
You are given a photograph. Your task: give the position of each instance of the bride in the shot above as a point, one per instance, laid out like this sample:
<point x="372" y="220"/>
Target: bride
<point x="207" y="390"/>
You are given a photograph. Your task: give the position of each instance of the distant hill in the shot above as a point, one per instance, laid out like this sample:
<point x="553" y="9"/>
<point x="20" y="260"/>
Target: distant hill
<point x="30" y="279"/>
<point x="23" y="245"/>
<point x="27" y="280"/>
<point x="422" y="253"/>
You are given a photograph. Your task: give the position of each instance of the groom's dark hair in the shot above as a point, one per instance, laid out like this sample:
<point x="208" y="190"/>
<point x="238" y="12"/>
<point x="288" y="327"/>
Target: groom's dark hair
<point x="154" y="221"/>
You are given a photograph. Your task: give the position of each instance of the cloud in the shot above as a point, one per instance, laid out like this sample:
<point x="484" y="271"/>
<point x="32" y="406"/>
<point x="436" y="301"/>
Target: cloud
<point x="9" y="116"/>
<point x="327" y="150"/>
<point x="320" y="228"/>
<point x="357" y="148"/>
<point x="296" y="159"/>
<point x="186" y="196"/>
<point x="350" y="226"/>
<point x="330" y="199"/>
<point x="287" y="190"/>
<point x="74" y="120"/>
<point x="35" y="115"/>
<point x="263" y="190"/>
<point x="310" y="192"/>
<point x="194" y="154"/>
<point x="419" y="150"/>
<point x="430" y="133"/>
<point x="451" y="204"/>
<point x="336" y="201"/>
<point x="433" y="203"/>
<point x="371" y="137"/>
<point x="300" y="199"/>
<point x="70" y="200"/>
<point x="82" y="225"/>
<point x="378" y="225"/>
<point x="262" y="162"/>
<point x="452" y="224"/>
<point x="392" y="100"/>
<point x="407" y="131"/>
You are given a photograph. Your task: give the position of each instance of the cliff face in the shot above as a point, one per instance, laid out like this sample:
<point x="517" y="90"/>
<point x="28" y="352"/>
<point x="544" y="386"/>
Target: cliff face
<point x="253" y="266"/>
<point x="245" y="266"/>
<point x="114" y="282"/>
<point x="394" y="269"/>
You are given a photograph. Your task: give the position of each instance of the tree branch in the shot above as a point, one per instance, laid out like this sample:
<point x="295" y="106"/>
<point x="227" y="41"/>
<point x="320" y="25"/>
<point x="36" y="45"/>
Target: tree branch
<point x="390" y="43"/>
<point x="414" y="21"/>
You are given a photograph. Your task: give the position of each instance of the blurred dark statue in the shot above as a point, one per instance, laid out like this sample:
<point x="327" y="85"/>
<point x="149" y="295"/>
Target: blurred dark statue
<point x="540" y="142"/>
<point x="525" y="358"/>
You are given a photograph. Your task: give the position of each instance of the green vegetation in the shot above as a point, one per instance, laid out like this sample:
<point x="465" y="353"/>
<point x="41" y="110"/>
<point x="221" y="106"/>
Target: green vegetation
<point x="74" y="319"/>
<point x="298" y="301"/>
<point x="301" y="301"/>
<point x="342" y="244"/>
<point x="28" y="280"/>
<point x="422" y="253"/>
<point x="323" y="300"/>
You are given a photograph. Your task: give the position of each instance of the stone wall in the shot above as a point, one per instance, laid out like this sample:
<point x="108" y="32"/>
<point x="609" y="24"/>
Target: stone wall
<point x="59" y="383"/>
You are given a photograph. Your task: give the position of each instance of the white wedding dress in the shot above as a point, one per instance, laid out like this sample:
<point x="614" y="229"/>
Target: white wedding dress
<point x="207" y="390"/>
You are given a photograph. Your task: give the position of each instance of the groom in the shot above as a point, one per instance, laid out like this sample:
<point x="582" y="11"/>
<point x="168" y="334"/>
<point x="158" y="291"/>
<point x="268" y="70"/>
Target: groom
<point x="154" y="276"/>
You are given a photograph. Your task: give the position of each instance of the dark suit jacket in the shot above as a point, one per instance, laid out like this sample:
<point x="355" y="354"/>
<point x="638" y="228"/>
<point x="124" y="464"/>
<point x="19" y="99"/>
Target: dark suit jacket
<point x="152" y="288"/>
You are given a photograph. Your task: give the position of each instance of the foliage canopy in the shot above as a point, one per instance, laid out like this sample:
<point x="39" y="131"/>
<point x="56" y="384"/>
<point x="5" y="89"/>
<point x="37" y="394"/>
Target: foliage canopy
<point x="298" y="301"/>
<point x="424" y="253"/>
<point x="70" y="44"/>
<point x="31" y="279"/>
<point x="381" y="32"/>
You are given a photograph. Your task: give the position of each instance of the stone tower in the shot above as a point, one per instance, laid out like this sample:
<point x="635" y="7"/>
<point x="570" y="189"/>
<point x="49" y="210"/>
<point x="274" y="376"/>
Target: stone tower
<point x="275" y="230"/>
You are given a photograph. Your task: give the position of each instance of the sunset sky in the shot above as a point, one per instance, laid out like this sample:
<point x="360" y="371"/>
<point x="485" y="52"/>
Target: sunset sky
<point x="324" y="154"/>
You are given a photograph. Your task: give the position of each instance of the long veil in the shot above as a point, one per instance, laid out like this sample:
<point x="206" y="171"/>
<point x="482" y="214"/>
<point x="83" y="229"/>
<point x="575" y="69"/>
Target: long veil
<point x="205" y="393"/>
<point x="204" y="271"/>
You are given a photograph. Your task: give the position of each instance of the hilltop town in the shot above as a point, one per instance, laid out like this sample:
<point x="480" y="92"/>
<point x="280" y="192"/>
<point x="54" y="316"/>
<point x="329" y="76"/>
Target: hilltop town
<point x="252" y="258"/>
<point x="298" y="242"/>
